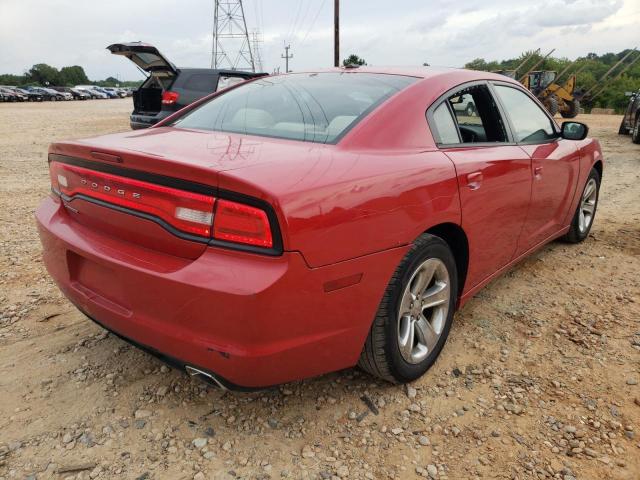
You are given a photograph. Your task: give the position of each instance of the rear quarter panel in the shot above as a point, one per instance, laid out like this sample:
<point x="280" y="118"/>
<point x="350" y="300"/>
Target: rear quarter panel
<point x="341" y="205"/>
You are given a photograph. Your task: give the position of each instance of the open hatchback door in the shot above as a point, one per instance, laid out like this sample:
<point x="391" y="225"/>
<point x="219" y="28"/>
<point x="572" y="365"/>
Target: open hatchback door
<point x="145" y="56"/>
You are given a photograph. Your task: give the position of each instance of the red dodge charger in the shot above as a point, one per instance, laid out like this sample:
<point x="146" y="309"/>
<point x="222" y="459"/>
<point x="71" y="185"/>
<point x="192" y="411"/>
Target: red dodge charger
<point x="299" y="224"/>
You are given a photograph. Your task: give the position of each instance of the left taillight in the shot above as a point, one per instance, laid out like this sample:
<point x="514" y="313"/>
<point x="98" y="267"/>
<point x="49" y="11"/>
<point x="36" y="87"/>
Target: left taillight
<point x="169" y="97"/>
<point x="186" y="211"/>
<point x="194" y="213"/>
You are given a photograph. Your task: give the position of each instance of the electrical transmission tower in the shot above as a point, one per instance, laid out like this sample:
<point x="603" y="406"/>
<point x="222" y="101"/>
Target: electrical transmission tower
<point x="256" y="40"/>
<point x="231" y="45"/>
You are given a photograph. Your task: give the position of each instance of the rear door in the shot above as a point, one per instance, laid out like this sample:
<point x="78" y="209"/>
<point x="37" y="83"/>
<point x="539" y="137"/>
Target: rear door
<point x="494" y="176"/>
<point x="554" y="165"/>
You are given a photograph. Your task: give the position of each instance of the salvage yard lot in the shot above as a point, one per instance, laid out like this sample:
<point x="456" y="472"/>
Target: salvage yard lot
<point x="538" y="380"/>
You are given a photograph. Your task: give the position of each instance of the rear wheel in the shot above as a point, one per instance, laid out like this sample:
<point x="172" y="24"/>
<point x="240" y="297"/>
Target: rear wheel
<point x="470" y="110"/>
<point x="572" y="110"/>
<point x="586" y="211"/>
<point x="415" y="314"/>
<point x="635" y="136"/>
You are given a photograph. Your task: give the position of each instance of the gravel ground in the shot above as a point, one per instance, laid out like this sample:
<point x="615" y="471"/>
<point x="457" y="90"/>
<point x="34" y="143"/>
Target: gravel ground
<point x="539" y="378"/>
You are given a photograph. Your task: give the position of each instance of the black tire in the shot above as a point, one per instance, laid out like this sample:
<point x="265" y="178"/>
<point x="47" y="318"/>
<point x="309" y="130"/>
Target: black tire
<point x="552" y="105"/>
<point x="575" y="234"/>
<point x="635" y="135"/>
<point x="622" y="130"/>
<point x="381" y="354"/>
<point x="469" y="111"/>
<point x="573" y="110"/>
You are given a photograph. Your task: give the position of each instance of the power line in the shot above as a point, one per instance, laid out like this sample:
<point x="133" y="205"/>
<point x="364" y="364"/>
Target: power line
<point x="295" y="21"/>
<point x="314" y="22"/>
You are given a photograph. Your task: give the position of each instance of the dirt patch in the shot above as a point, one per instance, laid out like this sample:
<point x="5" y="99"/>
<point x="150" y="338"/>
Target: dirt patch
<point x="539" y="378"/>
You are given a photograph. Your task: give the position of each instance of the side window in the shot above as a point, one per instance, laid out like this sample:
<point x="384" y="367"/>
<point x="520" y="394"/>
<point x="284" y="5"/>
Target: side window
<point x="227" y="81"/>
<point x="445" y="127"/>
<point x="201" y="83"/>
<point x="477" y="116"/>
<point x="530" y="123"/>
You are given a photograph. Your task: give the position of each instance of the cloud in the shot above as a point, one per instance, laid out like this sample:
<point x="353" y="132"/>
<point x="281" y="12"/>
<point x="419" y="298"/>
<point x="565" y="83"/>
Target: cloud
<point x="440" y="32"/>
<point x="574" y="13"/>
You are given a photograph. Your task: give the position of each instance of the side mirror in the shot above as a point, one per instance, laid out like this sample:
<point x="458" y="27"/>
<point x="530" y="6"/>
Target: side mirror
<point x="629" y="94"/>
<point x="574" y="131"/>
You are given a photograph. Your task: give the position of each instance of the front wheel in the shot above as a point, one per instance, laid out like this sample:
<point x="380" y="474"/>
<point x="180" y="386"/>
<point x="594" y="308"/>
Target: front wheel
<point x="586" y="211"/>
<point x="415" y="315"/>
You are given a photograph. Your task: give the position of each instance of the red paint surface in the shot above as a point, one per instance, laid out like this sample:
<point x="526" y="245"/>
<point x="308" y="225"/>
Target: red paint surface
<point x="347" y="211"/>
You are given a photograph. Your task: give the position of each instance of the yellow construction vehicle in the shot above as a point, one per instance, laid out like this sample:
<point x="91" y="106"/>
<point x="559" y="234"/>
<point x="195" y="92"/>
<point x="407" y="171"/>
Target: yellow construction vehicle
<point x="556" y="98"/>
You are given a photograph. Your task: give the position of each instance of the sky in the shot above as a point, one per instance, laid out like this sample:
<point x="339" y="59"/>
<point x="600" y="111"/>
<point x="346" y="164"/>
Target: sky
<point x="384" y="32"/>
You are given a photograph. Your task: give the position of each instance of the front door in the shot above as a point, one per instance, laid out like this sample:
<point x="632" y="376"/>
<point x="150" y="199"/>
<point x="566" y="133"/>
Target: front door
<point x="554" y="166"/>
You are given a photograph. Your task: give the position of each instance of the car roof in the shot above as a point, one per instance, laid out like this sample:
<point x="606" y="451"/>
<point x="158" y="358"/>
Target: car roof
<point x="455" y="75"/>
<point x="212" y="71"/>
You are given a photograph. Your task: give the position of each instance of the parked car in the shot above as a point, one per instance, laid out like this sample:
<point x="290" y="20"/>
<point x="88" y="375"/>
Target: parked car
<point x="80" y="94"/>
<point x="73" y="93"/>
<point x="47" y="93"/>
<point x="59" y="95"/>
<point x="10" y="95"/>
<point x="631" y="120"/>
<point x="107" y="92"/>
<point x="169" y="88"/>
<point x="95" y="93"/>
<point x="31" y="96"/>
<point x="464" y="104"/>
<point x="115" y="91"/>
<point x="299" y="224"/>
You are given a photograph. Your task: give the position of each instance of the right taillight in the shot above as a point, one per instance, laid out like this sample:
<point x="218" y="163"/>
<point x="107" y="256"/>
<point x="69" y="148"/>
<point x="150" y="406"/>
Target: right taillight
<point x="169" y="97"/>
<point x="240" y="223"/>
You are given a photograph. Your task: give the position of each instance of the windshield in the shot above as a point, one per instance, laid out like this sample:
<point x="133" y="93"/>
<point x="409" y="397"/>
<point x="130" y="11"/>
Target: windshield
<point x="313" y="107"/>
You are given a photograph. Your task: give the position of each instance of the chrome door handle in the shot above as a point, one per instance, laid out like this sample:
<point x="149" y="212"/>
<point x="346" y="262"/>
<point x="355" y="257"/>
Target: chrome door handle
<point x="537" y="173"/>
<point x="474" y="180"/>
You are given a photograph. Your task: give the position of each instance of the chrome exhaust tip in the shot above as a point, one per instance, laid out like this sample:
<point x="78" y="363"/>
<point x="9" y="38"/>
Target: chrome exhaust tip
<point x="204" y="376"/>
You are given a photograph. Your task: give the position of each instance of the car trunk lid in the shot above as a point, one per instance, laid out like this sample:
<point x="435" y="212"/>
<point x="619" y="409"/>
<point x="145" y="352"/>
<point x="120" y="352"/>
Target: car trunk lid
<point x="145" y="56"/>
<point x="158" y="188"/>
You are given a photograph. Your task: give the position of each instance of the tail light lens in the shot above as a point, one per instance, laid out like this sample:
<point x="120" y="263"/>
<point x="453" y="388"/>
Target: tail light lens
<point x="169" y="97"/>
<point x="186" y="211"/>
<point x="240" y="223"/>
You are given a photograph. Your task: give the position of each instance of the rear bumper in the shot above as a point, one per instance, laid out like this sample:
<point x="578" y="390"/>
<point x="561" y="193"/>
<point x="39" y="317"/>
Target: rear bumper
<point x="253" y="320"/>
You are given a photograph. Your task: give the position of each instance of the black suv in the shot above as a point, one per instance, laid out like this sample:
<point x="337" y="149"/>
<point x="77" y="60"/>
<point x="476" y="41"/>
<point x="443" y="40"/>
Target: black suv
<point x="168" y="88"/>
<point x="631" y="120"/>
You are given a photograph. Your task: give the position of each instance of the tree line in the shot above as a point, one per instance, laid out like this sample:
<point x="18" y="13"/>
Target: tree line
<point x="590" y="69"/>
<point x="42" y="74"/>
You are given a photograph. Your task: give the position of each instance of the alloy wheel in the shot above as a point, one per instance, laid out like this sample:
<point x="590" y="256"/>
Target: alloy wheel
<point x="423" y="310"/>
<point x="587" y="205"/>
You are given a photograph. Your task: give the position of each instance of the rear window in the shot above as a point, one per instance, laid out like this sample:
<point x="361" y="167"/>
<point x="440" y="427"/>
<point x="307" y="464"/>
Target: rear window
<point x="316" y="107"/>
<point x="201" y="83"/>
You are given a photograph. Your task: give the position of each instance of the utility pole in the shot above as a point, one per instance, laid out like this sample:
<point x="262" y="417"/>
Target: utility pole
<point x="336" y="33"/>
<point x="286" y="57"/>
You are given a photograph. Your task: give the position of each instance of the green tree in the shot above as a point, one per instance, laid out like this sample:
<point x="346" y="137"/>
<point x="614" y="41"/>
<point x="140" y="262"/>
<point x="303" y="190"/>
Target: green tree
<point x="43" y="74"/>
<point x="73" y="76"/>
<point x="354" y="59"/>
